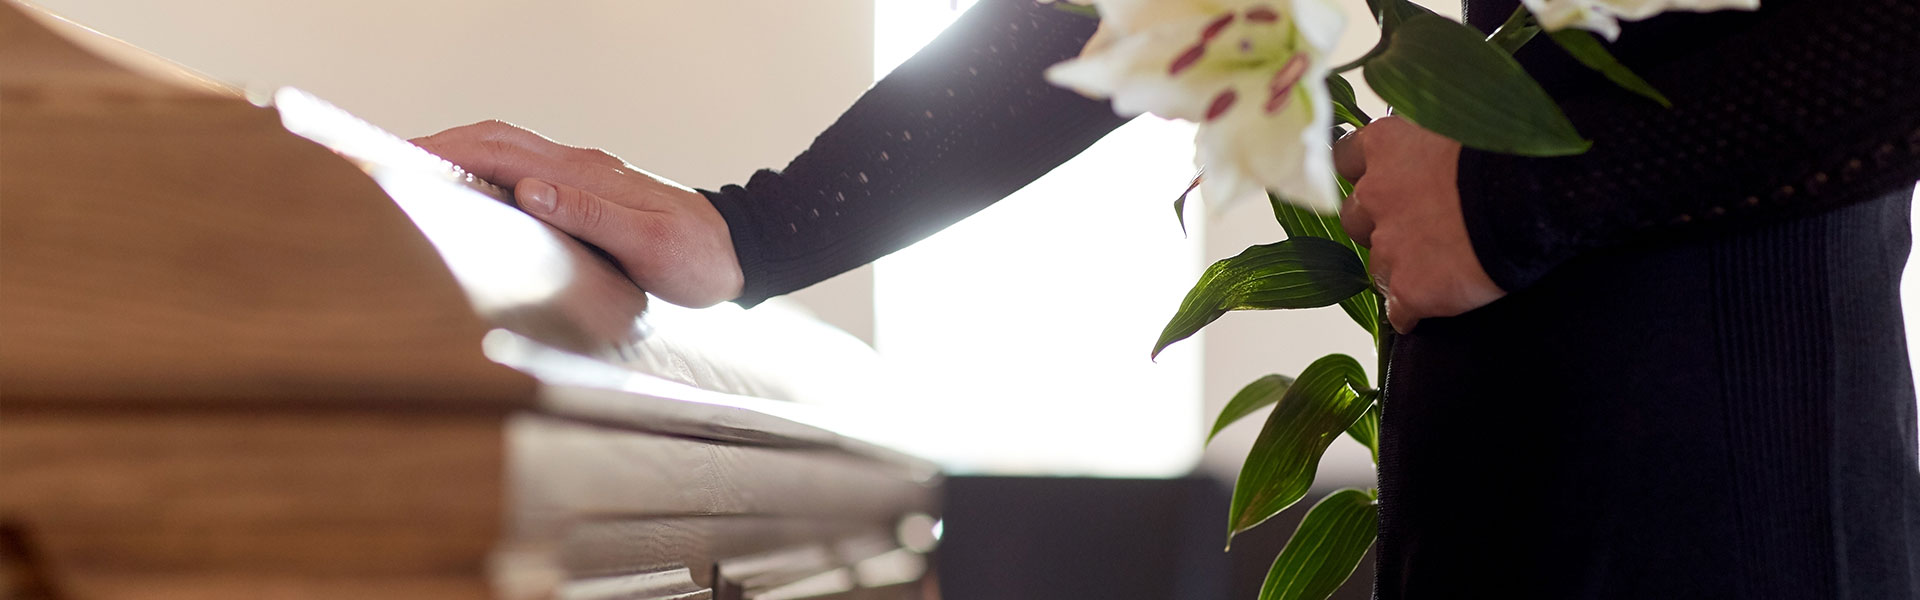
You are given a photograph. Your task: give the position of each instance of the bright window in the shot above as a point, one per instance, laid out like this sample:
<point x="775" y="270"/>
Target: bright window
<point x="1021" y="335"/>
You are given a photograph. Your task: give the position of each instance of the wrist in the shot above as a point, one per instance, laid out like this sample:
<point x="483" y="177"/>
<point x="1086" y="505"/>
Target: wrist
<point x="742" y="257"/>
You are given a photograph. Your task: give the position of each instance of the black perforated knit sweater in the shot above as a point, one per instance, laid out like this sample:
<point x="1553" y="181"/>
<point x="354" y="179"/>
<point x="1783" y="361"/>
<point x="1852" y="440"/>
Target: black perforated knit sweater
<point x="1698" y="384"/>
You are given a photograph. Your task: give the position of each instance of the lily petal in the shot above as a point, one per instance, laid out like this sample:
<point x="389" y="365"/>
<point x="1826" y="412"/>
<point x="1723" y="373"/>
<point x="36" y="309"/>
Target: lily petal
<point x="1285" y="152"/>
<point x="1133" y="70"/>
<point x="1604" y="16"/>
<point x="1251" y="72"/>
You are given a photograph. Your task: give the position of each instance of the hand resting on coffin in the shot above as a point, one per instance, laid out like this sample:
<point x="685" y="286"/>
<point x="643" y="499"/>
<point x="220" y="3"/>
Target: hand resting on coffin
<point x="667" y="237"/>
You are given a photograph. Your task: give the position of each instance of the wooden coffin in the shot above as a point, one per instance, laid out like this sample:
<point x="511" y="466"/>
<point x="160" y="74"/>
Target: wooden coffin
<point x="251" y="347"/>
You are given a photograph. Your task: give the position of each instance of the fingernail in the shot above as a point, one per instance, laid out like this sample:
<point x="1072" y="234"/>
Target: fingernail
<point x="537" y="196"/>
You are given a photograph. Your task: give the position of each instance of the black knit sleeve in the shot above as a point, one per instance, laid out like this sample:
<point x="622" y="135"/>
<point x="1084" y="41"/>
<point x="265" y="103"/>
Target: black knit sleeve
<point x="965" y="122"/>
<point x="1800" y="107"/>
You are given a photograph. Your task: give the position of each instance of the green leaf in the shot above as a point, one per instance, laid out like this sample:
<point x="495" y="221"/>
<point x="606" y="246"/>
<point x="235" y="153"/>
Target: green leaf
<point x="1519" y="29"/>
<point x="1299" y="221"/>
<point x="1314" y="411"/>
<point x="1296" y="273"/>
<point x="1346" y="106"/>
<point x="1257" y="395"/>
<point x="1394" y="13"/>
<point x="1326" y="549"/>
<point x="1389" y="14"/>
<point x="1364" y="307"/>
<point x="1441" y="75"/>
<point x="1587" y="49"/>
<point x="1344" y="115"/>
<point x="1078" y="9"/>
<point x="1367" y="429"/>
<point x="1180" y="204"/>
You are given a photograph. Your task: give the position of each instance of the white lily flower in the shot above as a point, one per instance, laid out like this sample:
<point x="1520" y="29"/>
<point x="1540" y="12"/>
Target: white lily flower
<point x="1251" y="72"/>
<point x="1603" y="16"/>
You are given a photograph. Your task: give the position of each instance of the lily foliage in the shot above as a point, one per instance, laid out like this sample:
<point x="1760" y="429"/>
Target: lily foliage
<point x="1257" y="78"/>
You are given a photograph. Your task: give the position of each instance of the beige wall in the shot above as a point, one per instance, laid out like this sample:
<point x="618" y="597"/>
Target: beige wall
<point x="700" y="92"/>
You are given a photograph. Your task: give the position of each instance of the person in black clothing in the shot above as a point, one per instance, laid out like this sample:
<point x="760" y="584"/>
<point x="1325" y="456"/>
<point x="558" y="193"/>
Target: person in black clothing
<point x="1673" y="366"/>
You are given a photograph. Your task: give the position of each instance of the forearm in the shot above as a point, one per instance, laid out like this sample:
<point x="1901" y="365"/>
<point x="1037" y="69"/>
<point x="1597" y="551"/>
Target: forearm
<point x="1803" y="107"/>
<point x="962" y="124"/>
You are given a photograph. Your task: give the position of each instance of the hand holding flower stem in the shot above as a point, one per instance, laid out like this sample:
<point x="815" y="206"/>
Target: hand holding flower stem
<point x="1253" y="73"/>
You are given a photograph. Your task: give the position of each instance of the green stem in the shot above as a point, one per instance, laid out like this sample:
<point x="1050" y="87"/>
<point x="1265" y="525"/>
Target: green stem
<point x="1383" y="347"/>
<point x="1383" y="350"/>
<point x="1358" y="62"/>
<point x="1516" y="32"/>
<point x="1382" y="338"/>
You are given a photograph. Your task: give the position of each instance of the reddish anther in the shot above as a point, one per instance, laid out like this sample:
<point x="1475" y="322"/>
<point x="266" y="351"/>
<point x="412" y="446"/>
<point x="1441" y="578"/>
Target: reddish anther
<point x="1217" y="26"/>
<point x="1187" y="59"/>
<point x="1221" y="103"/>
<point x="1280" y="87"/>
<point x="1262" y="14"/>
<point x="1276" y="102"/>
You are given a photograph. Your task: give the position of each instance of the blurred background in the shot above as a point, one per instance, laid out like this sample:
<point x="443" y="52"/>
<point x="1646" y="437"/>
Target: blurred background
<point x="1079" y="466"/>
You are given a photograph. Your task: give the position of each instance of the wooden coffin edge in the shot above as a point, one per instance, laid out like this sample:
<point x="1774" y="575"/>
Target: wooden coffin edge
<point x="143" y="214"/>
<point x="244" y="504"/>
<point x="43" y="46"/>
<point x="305" y="503"/>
